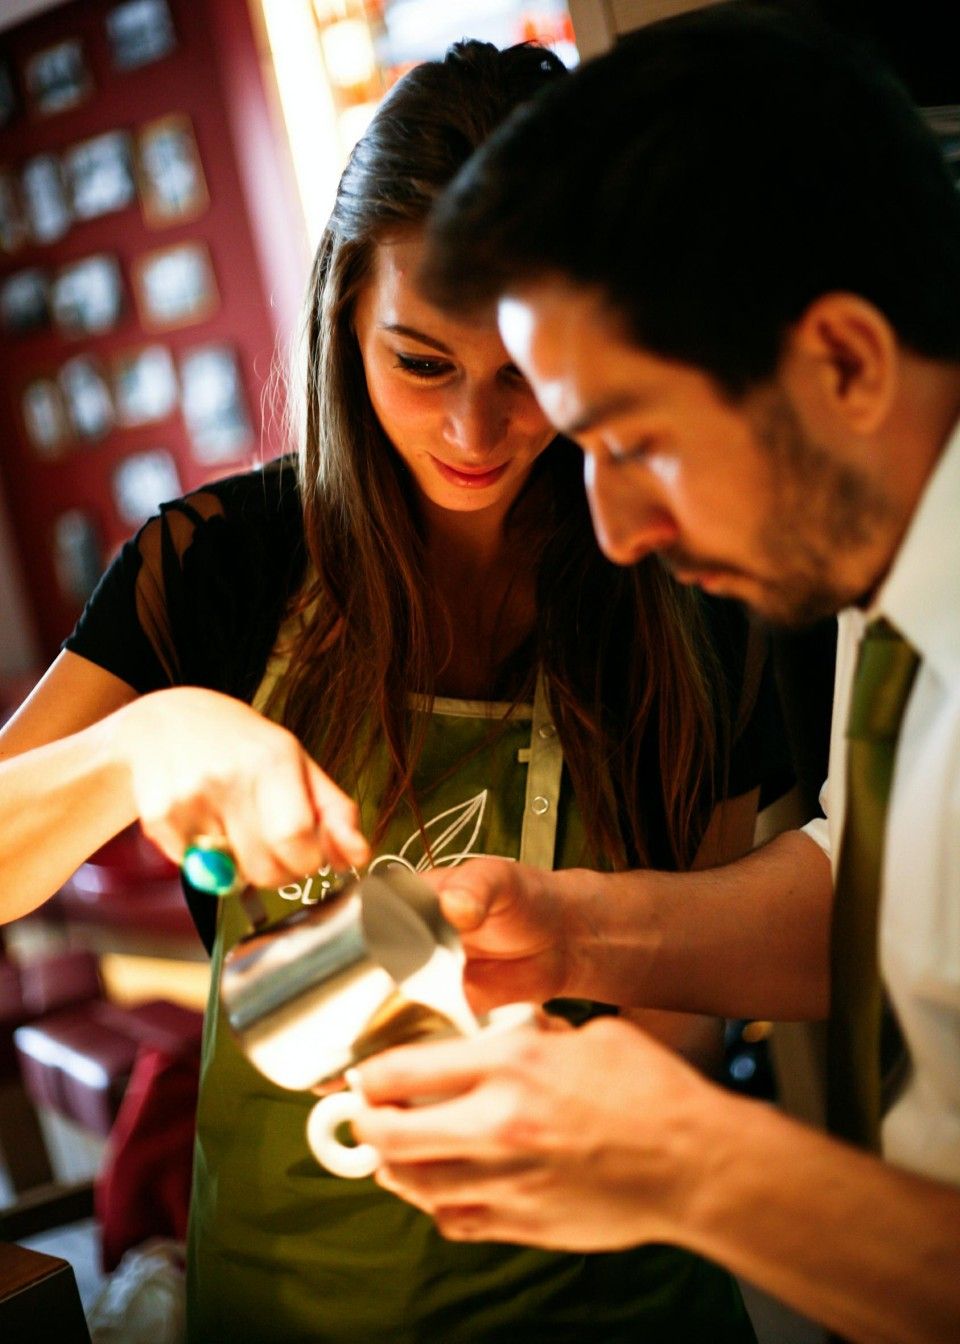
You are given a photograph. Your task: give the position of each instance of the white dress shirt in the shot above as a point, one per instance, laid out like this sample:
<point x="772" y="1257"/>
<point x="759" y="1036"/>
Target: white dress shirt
<point x="919" y="926"/>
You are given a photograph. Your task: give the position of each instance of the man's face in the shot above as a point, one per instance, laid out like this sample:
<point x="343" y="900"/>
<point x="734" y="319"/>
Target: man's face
<point x="736" y="497"/>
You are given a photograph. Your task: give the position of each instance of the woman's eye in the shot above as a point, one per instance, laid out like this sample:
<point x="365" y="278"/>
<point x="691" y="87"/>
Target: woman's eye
<point x="422" y="366"/>
<point x="512" y="374"/>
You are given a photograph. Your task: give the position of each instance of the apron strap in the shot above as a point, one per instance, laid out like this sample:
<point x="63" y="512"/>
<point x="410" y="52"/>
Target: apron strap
<point x="538" y="834"/>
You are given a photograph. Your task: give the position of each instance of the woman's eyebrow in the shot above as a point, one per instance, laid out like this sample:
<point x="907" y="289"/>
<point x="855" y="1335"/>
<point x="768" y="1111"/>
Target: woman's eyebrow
<point x="399" y="329"/>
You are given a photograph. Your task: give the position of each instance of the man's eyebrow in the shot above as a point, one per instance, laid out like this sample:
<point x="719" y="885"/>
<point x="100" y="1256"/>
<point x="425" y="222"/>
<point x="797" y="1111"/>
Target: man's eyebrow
<point x="399" y="329"/>
<point x="593" y="415"/>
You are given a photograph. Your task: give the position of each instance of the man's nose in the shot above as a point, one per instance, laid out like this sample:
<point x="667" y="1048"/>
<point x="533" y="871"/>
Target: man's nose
<point x="630" y="516"/>
<point x="474" y="424"/>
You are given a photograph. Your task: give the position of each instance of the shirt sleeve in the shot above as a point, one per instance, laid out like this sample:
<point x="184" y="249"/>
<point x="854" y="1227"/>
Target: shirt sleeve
<point x="196" y="597"/>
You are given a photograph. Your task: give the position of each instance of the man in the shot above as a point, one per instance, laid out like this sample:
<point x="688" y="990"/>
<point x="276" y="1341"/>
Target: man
<point x="727" y="257"/>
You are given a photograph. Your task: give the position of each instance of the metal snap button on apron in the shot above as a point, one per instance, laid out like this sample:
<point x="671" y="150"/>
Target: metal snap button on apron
<point x="540" y="805"/>
<point x="547" y="730"/>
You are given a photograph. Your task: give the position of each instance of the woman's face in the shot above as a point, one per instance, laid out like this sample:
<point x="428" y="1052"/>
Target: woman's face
<point x="450" y="399"/>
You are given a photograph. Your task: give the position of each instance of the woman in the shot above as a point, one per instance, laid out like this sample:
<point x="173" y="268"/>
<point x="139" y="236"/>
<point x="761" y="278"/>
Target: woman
<point x="423" y="611"/>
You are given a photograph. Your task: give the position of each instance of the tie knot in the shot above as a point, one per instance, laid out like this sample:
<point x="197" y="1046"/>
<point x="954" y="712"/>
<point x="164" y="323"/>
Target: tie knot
<point x="886" y="667"/>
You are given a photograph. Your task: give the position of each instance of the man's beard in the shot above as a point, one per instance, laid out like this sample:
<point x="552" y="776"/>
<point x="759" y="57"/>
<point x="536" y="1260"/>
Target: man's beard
<point x="821" y="510"/>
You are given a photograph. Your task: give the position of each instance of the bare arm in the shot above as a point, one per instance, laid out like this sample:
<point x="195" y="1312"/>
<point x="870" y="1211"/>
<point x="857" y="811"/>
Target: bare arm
<point x="62" y="787"/>
<point x="597" y="1139"/>
<point x="85" y="756"/>
<point x="699" y="1036"/>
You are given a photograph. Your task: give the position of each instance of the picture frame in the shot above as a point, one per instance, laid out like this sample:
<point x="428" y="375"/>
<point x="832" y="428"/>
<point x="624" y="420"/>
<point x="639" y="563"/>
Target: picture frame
<point x="58" y="78"/>
<point x="14" y="225"/>
<point x="169" y="172"/>
<point x="45" y="198"/>
<point x="142" y="482"/>
<point x="214" y="404"/>
<point x="175" y="286"/>
<point x="145" y="387"/>
<point x="87" y="295"/>
<point x="25" y="301"/>
<point x="9" y="101"/>
<point x="77" y="554"/>
<point x="140" y="32"/>
<point x="45" y="419"/>
<point x="101" y="174"/>
<point x="86" y="396"/>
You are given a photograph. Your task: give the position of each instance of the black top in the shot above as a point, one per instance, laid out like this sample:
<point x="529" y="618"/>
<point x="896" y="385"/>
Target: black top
<point x="196" y="598"/>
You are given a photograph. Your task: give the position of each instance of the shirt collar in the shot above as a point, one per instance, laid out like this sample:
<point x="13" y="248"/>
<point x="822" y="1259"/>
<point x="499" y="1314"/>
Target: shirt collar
<point x="921" y="593"/>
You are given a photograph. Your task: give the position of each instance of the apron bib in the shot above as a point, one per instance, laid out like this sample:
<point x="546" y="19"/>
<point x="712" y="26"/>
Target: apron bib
<point x="280" y="1250"/>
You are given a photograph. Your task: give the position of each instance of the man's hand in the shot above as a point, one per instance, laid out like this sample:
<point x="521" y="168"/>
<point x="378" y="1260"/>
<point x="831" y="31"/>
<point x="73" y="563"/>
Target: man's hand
<point x="573" y="1140"/>
<point x="511" y="921"/>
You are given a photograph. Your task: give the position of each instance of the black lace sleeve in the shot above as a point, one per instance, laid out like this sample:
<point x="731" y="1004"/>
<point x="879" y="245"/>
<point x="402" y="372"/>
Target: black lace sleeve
<point x="196" y="597"/>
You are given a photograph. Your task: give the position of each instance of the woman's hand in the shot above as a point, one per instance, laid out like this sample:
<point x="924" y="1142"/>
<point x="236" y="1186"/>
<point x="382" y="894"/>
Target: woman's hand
<point x="202" y="763"/>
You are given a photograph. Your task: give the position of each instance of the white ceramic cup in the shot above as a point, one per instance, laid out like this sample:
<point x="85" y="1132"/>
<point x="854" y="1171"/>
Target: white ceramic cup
<point x="354" y="1161"/>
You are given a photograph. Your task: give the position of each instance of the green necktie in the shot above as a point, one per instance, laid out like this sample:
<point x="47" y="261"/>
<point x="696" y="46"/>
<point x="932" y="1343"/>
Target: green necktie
<point x="886" y="667"/>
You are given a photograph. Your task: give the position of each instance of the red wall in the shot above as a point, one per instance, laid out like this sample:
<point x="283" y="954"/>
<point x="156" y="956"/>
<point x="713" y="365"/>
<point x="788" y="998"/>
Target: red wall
<point x="250" y="227"/>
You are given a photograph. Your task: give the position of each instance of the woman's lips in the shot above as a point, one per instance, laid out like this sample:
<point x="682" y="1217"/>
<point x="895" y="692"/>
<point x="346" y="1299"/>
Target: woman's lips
<point x="471" y="480"/>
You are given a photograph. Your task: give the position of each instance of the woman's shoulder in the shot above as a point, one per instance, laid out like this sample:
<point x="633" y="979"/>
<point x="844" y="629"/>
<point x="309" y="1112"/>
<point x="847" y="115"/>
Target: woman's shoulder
<point x="267" y="498"/>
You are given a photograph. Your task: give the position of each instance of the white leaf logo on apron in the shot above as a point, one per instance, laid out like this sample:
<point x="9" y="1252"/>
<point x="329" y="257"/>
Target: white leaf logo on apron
<point x="451" y="835"/>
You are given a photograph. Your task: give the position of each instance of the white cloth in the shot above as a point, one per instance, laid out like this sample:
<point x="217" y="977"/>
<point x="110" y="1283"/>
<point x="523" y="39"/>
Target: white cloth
<point x="920" y="902"/>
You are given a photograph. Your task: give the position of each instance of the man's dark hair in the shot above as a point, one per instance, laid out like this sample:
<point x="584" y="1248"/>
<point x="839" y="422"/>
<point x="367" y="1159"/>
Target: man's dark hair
<point x="713" y="175"/>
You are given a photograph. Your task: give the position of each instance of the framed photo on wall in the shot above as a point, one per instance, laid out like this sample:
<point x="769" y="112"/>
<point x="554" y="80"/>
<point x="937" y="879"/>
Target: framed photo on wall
<point x="142" y="483"/>
<point x="86" y="396"/>
<point x="25" y="301"/>
<point x="88" y="295"/>
<point x="145" y="386"/>
<point x="100" y="173"/>
<point x="170" y="175"/>
<point x="77" y="554"/>
<point x="214" y="404"/>
<point x="175" y="286"/>
<point x="9" y="102"/>
<point x="45" y="198"/>
<point x="58" y="77"/>
<point x="140" y="31"/>
<point x="45" y="418"/>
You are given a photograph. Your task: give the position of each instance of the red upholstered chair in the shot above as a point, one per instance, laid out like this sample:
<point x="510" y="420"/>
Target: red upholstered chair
<point x="78" y="1061"/>
<point x="74" y="1052"/>
<point x="59" y="982"/>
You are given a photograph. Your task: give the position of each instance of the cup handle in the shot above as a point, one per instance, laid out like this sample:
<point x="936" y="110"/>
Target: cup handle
<point x="322" y="1125"/>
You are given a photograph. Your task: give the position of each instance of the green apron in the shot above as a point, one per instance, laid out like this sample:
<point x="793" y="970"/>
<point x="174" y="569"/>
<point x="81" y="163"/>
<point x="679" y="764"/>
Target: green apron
<point x="280" y="1250"/>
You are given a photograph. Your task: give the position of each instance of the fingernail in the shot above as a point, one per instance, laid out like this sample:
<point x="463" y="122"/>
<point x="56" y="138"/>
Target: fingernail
<point x="462" y="907"/>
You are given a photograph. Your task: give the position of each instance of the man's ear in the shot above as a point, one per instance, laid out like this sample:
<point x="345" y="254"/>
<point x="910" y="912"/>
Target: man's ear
<point x="849" y="358"/>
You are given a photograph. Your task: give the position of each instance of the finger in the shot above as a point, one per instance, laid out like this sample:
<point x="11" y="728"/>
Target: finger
<point x="444" y="1131"/>
<point x="467" y="1201"/>
<point x="287" y="817"/>
<point x="339" y="816"/>
<point x="467" y="893"/>
<point x="255" y="860"/>
<point x="175" y="828"/>
<point x="434" y="1068"/>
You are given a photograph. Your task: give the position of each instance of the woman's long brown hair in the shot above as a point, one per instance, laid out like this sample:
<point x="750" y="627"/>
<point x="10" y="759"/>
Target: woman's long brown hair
<point x="623" y="652"/>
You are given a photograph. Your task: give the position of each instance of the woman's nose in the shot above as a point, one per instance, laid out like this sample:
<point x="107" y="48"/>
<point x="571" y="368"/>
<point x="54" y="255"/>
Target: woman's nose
<point x="474" y="425"/>
<point x="630" y="517"/>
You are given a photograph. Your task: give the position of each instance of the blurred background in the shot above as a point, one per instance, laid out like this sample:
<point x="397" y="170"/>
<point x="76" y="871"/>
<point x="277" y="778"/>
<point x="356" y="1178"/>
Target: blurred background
<point x="166" y="168"/>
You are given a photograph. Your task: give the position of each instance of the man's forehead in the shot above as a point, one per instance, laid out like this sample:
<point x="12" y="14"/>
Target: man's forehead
<point x="563" y="336"/>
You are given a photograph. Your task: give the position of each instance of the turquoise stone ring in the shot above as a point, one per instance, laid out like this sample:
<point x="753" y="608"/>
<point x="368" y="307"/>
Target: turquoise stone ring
<point x="208" y="865"/>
